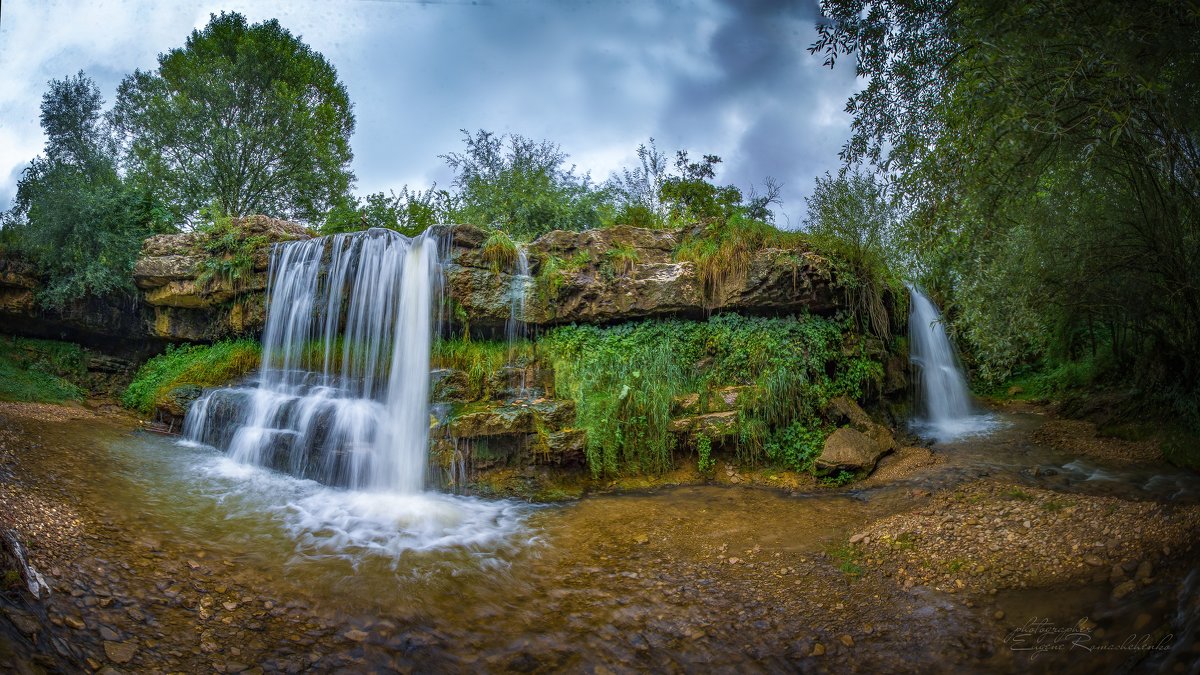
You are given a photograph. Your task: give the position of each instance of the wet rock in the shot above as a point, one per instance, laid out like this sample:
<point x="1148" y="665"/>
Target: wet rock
<point x="109" y="634"/>
<point x="120" y="652"/>
<point x="849" y="449"/>
<point x="1093" y="560"/>
<point x="355" y="635"/>
<point x="74" y="622"/>
<point x="1123" y="589"/>
<point x="846" y="640"/>
<point x="818" y="649"/>
<point x="1144" y="571"/>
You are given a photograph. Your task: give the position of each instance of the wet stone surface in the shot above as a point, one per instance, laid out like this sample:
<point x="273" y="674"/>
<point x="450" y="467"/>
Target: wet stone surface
<point x="154" y="569"/>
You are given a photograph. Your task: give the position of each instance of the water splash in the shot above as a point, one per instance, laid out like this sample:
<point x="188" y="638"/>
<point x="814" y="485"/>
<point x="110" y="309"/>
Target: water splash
<point x="944" y="401"/>
<point x="515" y="329"/>
<point x="343" y="393"/>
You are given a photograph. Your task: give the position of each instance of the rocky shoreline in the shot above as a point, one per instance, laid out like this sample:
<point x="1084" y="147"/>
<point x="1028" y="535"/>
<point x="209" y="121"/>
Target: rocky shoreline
<point x="841" y="592"/>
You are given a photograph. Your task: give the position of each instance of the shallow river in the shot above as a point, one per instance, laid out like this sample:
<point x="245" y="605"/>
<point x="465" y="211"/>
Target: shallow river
<point x="196" y="562"/>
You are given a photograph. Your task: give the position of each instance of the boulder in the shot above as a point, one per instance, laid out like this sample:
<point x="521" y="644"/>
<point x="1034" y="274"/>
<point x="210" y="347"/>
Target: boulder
<point x="850" y="450"/>
<point x="713" y="425"/>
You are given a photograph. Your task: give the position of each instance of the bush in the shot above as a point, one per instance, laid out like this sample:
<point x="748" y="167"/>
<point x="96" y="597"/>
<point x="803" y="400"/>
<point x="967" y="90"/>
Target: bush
<point x="624" y="379"/>
<point x="200" y="365"/>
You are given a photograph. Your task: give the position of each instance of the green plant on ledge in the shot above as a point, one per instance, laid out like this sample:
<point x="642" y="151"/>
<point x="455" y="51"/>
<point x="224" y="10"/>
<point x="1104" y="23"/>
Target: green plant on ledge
<point x="499" y="251"/>
<point x="229" y="254"/>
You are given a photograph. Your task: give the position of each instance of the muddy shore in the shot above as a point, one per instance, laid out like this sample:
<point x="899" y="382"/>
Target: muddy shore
<point x="940" y="565"/>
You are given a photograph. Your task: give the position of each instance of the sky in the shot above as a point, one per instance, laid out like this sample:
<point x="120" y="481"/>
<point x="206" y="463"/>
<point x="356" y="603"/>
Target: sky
<point x="726" y="77"/>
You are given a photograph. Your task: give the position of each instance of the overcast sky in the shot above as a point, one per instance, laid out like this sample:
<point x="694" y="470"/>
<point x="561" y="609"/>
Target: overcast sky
<point x="731" y="78"/>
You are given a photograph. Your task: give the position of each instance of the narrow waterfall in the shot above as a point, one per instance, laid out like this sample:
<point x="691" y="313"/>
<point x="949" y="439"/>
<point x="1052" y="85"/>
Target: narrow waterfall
<point x="342" y="396"/>
<point x="945" y="408"/>
<point x="514" y="328"/>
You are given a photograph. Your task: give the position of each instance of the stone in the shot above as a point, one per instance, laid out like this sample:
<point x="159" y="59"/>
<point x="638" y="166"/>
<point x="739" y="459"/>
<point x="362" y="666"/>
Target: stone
<point x="355" y="635"/>
<point x="846" y="640"/>
<point x="120" y="652"/>
<point x="107" y="633"/>
<point x="1123" y="589"/>
<point x="818" y="649"/>
<point x="849" y="450"/>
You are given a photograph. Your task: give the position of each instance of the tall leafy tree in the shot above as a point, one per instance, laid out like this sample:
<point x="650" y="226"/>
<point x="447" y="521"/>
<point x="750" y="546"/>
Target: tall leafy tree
<point x="1049" y="153"/>
<point x="74" y="216"/>
<point x="244" y="119"/>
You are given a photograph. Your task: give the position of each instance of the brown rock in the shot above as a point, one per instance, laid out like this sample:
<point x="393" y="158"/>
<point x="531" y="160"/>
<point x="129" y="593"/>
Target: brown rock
<point x="120" y="652"/>
<point x="849" y="449"/>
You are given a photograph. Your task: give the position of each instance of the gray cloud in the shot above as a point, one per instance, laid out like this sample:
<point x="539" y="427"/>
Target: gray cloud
<point x="728" y="77"/>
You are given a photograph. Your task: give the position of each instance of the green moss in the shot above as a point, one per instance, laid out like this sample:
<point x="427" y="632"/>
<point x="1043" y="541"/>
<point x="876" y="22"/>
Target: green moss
<point x="199" y="365"/>
<point x="41" y="370"/>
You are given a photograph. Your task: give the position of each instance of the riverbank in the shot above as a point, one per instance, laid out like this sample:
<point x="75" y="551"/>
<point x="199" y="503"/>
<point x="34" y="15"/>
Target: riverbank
<point x="906" y="572"/>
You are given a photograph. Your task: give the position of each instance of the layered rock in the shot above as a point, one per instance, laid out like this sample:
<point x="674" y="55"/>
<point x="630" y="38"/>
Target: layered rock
<point x="587" y="284"/>
<point x="187" y="302"/>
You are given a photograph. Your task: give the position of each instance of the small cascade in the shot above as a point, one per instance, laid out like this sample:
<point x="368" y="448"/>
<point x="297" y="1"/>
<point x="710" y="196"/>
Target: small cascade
<point x="943" y="399"/>
<point x="342" y="396"/>
<point x="514" y="328"/>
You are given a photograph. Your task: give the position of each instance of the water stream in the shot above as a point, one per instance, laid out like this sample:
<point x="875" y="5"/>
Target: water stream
<point x="946" y="410"/>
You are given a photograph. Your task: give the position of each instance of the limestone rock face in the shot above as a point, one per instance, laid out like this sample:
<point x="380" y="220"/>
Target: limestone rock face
<point x="578" y="278"/>
<point x="186" y="304"/>
<point x="850" y="450"/>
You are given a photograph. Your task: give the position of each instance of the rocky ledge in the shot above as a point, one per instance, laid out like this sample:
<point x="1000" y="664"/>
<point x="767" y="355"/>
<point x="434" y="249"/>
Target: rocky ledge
<point x="200" y="287"/>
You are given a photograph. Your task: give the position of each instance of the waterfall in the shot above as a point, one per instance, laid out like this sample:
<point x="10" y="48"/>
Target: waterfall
<point x="342" y="396"/>
<point x="942" y="394"/>
<point x="514" y="328"/>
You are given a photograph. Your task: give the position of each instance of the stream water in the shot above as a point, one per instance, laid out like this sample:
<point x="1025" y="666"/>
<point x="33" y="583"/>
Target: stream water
<point x="627" y="582"/>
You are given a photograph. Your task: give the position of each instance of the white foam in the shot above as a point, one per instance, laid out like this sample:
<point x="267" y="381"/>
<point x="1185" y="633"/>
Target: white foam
<point x="947" y="430"/>
<point x="351" y="524"/>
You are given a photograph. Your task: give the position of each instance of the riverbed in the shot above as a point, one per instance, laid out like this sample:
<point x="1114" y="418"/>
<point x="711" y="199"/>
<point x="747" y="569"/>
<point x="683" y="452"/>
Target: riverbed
<point x="1009" y="554"/>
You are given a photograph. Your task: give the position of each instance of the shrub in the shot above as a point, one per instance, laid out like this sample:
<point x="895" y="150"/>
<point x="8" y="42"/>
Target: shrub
<point x="40" y="370"/>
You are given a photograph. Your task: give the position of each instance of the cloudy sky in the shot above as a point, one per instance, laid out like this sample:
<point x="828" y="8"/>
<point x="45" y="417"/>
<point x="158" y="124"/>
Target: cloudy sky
<point x="728" y="77"/>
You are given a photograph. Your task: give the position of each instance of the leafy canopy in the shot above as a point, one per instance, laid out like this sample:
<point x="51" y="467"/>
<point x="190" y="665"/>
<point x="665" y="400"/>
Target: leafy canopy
<point x="243" y="120"/>
<point x="74" y="216"/>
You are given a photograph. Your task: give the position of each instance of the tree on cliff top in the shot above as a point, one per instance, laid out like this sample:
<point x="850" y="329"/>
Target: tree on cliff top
<point x="74" y="217"/>
<point x="244" y="119"/>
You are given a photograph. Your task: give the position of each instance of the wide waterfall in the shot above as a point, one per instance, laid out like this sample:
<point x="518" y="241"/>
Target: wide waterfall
<point x="342" y="396"/>
<point x="944" y="402"/>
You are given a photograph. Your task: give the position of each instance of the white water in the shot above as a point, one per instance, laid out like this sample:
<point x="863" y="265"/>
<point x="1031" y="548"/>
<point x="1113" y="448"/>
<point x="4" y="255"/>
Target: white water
<point x="945" y="408"/>
<point x="514" y="328"/>
<point x="343" y="393"/>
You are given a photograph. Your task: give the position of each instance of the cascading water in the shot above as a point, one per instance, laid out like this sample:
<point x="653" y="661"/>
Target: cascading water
<point x="343" y="393"/>
<point x="514" y="328"/>
<point x="342" y="398"/>
<point x="942" y="395"/>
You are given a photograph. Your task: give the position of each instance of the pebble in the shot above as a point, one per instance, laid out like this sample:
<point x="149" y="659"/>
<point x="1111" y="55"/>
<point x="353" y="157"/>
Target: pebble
<point x="846" y="640"/>
<point x="818" y="649"/>
<point x="355" y="635"/>
<point x="107" y="633"/>
<point x="74" y="622"/>
<point x="1123" y="589"/>
<point x="998" y="615"/>
<point x="120" y="652"/>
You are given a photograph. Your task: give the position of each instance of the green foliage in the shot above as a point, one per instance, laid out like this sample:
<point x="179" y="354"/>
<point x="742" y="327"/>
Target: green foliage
<point x="690" y="196"/>
<point x="704" y="459"/>
<point x="848" y="559"/>
<point x="1049" y="167"/>
<point x="638" y="191"/>
<point x="245" y="118"/>
<point x="74" y="217"/>
<point x="523" y="187"/>
<point x="623" y="379"/>
<point x="620" y="260"/>
<point x="229" y="254"/>
<point x="479" y="359"/>
<point x="851" y="221"/>
<point x="40" y="370"/>
<point x="410" y="212"/>
<point x="499" y="251"/>
<point x="200" y="365"/>
<point x="723" y="248"/>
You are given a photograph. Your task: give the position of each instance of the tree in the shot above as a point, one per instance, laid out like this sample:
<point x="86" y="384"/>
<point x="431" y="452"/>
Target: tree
<point x="523" y="186"/>
<point x="243" y="120"/>
<point x="74" y="217"/>
<point x="1049" y="155"/>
